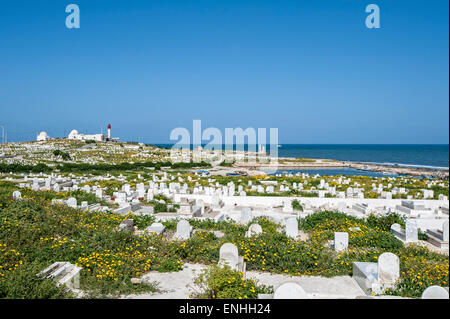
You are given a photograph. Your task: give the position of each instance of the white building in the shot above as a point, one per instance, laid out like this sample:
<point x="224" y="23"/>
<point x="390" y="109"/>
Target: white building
<point x="43" y="136"/>
<point x="74" y="135"/>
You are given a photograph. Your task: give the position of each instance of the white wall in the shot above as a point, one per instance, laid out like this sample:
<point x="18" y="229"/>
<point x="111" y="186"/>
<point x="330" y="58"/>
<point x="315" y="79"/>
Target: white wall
<point x="314" y="201"/>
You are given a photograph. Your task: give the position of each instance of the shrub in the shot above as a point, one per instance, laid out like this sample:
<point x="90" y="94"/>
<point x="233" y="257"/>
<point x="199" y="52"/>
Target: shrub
<point x="296" y="205"/>
<point x="385" y="222"/>
<point x="24" y="283"/>
<point x="224" y="283"/>
<point x="65" y="156"/>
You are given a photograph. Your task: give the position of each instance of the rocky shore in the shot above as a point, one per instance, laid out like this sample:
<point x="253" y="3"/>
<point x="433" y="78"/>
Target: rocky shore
<point x="324" y="164"/>
<point x="412" y="171"/>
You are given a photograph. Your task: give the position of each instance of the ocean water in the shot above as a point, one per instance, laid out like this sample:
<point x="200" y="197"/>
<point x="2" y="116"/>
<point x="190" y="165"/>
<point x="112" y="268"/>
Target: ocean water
<point x="413" y="155"/>
<point x="433" y="156"/>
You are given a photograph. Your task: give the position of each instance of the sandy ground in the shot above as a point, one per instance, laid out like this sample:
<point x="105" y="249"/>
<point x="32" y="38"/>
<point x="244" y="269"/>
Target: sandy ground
<point x="341" y="287"/>
<point x="180" y="285"/>
<point x="173" y="285"/>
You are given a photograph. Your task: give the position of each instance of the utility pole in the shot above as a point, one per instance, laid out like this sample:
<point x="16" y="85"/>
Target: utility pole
<point x="3" y="134"/>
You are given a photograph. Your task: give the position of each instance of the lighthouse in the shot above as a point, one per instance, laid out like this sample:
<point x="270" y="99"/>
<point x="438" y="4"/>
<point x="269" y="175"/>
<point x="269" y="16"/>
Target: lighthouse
<point x="109" y="132"/>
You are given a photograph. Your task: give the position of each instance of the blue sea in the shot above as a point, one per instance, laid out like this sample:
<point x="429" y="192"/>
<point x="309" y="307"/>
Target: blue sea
<point x="431" y="156"/>
<point x="412" y="155"/>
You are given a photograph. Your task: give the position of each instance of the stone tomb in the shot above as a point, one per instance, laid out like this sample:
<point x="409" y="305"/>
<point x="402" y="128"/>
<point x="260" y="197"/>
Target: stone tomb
<point x="216" y="202"/>
<point x="229" y="255"/>
<point x="126" y="225"/>
<point x="64" y="273"/>
<point x="438" y="237"/>
<point x="414" y="208"/>
<point x="361" y="208"/>
<point x="72" y="202"/>
<point x="376" y="277"/>
<point x="157" y="228"/>
<point x="409" y="234"/>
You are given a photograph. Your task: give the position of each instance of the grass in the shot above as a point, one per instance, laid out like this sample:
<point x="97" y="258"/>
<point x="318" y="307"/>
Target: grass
<point x="34" y="233"/>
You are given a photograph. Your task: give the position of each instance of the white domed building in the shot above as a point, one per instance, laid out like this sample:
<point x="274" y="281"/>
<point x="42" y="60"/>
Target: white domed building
<point x="43" y="136"/>
<point x="74" y="135"/>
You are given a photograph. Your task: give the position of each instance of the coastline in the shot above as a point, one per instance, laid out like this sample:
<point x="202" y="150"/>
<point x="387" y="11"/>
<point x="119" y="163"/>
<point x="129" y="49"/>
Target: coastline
<point x="331" y="164"/>
<point x="401" y="170"/>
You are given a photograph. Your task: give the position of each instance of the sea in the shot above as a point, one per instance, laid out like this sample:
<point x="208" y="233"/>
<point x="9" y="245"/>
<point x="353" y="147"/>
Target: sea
<point x="425" y="156"/>
<point x="434" y="156"/>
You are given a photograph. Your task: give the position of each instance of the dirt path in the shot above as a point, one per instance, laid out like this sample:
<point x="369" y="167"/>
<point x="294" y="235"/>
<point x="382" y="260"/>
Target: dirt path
<point x="180" y="285"/>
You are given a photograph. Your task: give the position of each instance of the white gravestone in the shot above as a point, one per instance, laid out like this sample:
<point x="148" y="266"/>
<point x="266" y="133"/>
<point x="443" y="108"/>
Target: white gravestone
<point x="290" y="290"/>
<point x="291" y="227"/>
<point x="411" y="230"/>
<point x="435" y="292"/>
<point x="254" y="230"/>
<point x="287" y="206"/>
<point x="99" y="193"/>
<point x="246" y="215"/>
<point x="229" y="255"/>
<point x="72" y="202"/>
<point x="183" y="230"/>
<point x="445" y="231"/>
<point x="215" y="200"/>
<point x="17" y="195"/>
<point x="340" y="241"/>
<point x="388" y="268"/>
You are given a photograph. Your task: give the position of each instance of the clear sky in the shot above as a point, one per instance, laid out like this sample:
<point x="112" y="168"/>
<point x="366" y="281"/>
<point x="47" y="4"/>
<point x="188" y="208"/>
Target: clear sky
<point x="310" y="68"/>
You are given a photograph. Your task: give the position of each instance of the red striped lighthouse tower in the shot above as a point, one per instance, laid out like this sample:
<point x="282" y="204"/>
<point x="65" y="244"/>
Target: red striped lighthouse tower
<point x="109" y="131"/>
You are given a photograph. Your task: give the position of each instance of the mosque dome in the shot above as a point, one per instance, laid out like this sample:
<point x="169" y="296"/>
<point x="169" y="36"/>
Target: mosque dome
<point x="72" y="134"/>
<point x="43" y="136"/>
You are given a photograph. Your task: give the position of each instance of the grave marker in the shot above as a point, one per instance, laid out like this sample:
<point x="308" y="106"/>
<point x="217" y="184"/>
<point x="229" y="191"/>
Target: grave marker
<point x="290" y="290"/>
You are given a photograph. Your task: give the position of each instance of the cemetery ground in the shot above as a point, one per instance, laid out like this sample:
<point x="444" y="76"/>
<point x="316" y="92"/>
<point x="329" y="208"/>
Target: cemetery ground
<point x="34" y="233"/>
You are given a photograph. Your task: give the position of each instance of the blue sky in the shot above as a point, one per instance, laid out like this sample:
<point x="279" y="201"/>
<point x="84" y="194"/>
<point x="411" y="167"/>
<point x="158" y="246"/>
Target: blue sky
<point x="310" y="68"/>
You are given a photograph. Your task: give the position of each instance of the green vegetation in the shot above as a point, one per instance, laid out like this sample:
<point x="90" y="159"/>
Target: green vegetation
<point x="23" y="283"/>
<point x="296" y="205"/>
<point x="34" y="234"/>
<point x="224" y="283"/>
<point x="19" y="168"/>
<point x="98" y="168"/>
<point x="226" y="164"/>
<point x="65" y="156"/>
